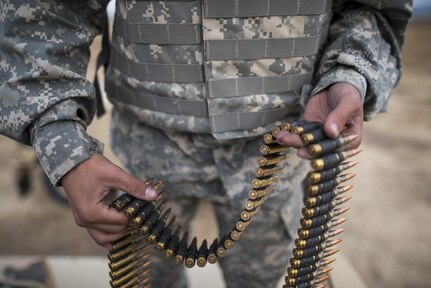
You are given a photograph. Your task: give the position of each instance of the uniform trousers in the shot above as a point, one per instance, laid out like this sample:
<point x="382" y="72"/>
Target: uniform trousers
<point x="195" y="167"/>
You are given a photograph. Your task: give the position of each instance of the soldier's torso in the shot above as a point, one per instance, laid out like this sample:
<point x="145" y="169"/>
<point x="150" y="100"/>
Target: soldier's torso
<point x="226" y="67"/>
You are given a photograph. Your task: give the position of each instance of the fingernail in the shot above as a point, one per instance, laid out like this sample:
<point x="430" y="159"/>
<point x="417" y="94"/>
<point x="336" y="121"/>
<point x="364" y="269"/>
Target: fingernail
<point x="150" y="192"/>
<point x="334" y="128"/>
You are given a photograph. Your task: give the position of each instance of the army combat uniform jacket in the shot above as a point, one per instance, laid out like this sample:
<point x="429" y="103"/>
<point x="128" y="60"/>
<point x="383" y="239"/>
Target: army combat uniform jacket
<point x="225" y="68"/>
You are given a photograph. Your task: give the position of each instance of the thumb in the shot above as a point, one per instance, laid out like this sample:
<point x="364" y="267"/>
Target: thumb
<point x="348" y="106"/>
<point x="135" y="187"/>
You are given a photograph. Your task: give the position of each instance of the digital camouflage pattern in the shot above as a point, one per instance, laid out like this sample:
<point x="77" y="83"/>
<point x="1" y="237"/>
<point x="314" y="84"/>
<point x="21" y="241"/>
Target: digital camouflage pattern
<point x="46" y="102"/>
<point x="197" y="169"/>
<point x="36" y="79"/>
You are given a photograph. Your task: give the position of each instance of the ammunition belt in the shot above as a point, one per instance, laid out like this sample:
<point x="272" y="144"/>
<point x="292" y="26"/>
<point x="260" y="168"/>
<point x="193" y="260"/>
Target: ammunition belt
<point x="151" y="223"/>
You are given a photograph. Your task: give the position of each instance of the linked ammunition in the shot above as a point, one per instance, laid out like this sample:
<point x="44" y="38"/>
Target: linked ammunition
<point x="324" y="208"/>
<point x="295" y="272"/>
<point x="271" y="160"/>
<point x="322" y="219"/>
<point x="202" y="254"/>
<point x="120" y="243"/>
<point x="296" y="263"/>
<point x="263" y="182"/>
<point x="235" y="235"/>
<point x="315" y="177"/>
<point x="165" y="235"/>
<point x="275" y="131"/>
<point x="221" y="250"/>
<point x="158" y="227"/>
<point x="305" y="127"/>
<point x="313" y="136"/>
<point x="191" y="253"/>
<point x="142" y="215"/>
<point x="302" y="253"/>
<point x="124" y="279"/>
<point x="181" y="252"/>
<point x="247" y="215"/>
<point x="118" y="254"/>
<point x="241" y="225"/>
<point x="151" y="220"/>
<point x="122" y="201"/>
<point x="257" y="193"/>
<point x="306" y="243"/>
<point x="267" y="171"/>
<point x="285" y="126"/>
<point x="114" y="265"/>
<point x="252" y="204"/>
<point x="329" y="145"/>
<point x="325" y="197"/>
<point x="268" y="139"/>
<point x="290" y="281"/>
<point x="171" y="246"/>
<point x="212" y="252"/>
<point x="327" y="186"/>
<point x="129" y="284"/>
<point x="141" y="263"/>
<point x="318" y="230"/>
<point x="311" y="283"/>
<point x="331" y="160"/>
<point x="272" y="149"/>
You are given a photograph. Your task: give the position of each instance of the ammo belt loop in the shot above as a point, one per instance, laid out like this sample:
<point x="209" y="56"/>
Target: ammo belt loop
<point x="151" y="222"/>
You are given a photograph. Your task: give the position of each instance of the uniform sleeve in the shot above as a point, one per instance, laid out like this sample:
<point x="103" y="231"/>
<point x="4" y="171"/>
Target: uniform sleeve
<point x="364" y="49"/>
<point x="45" y="100"/>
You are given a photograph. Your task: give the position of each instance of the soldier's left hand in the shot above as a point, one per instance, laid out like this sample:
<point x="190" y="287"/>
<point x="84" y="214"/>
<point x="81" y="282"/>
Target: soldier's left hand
<point x="340" y="110"/>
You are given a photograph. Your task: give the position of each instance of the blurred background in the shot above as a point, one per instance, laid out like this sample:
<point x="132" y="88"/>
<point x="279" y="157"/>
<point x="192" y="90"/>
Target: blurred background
<point x="387" y="242"/>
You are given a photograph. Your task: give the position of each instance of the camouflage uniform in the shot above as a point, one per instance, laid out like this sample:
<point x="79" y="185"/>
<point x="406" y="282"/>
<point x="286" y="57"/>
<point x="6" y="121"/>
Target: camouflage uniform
<point x="47" y="102"/>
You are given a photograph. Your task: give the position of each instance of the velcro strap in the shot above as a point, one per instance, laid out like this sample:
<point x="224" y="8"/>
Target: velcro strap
<point x="179" y="73"/>
<point x="256" y="8"/>
<point x="261" y="48"/>
<point x="250" y="120"/>
<point x="158" y="33"/>
<point x="147" y="100"/>
<point x="222" y="88"/>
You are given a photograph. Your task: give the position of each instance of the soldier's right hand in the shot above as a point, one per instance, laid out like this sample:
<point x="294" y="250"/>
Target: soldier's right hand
<point x="87" y="184"/>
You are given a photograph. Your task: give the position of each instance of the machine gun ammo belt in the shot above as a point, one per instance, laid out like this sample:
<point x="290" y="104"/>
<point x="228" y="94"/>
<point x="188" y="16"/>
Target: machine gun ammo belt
<point x="152" y="225"/>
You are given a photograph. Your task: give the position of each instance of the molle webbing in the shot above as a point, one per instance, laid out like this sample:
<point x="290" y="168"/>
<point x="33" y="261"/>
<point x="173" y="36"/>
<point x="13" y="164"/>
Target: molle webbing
<point x="170" y="33"/>
<point x="219" y="123"/>
<point x="179" y="73"/>
<point x="222" y="88"/>
<point x="254" y="8"/>
<point x="153" y="225"/>
<point x="235" y="49"/>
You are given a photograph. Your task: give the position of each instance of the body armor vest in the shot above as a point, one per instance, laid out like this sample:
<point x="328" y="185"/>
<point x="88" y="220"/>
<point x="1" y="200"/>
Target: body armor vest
<point x="231" y="68"/>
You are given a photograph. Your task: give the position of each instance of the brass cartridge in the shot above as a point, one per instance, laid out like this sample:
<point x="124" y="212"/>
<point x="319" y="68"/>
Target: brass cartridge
<point x="259" y="183"/>
<point x="181" y="252"/>
<point x="272" y="149"/>
<point x="191" y="253"/>
<point x="257" y="193"/>
<point x="202" y="254"/>
<point x="252" y="204"/>
<point x="272" y="160"/>
<point x="165" y="235"/>
<point x="331" y="160"/>
<point x="264" y="172"/>
<point x="212" y="252"/>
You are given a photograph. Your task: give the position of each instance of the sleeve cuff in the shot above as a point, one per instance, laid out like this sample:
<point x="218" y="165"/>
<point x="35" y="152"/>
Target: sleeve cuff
<point x="337" y="74"/>
<point x="62" y="145"/>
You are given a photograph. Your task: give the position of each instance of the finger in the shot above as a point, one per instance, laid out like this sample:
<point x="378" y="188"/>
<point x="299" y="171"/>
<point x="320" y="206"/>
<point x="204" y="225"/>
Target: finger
<point x="340" y="116"/>
<point x="105" y="239"/>
<point x="108" y="228"/>
<point x="123" y="181"/>
<point x="100" y="214"/>
<point x="289" y="139"/>
<point x="304" y="154"/>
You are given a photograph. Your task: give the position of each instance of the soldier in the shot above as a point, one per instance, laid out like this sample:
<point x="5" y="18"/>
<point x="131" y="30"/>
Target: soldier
<point x="193" y="83"/>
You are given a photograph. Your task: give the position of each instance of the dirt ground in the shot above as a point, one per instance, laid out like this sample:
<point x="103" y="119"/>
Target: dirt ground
<point x="387" y="238"/>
